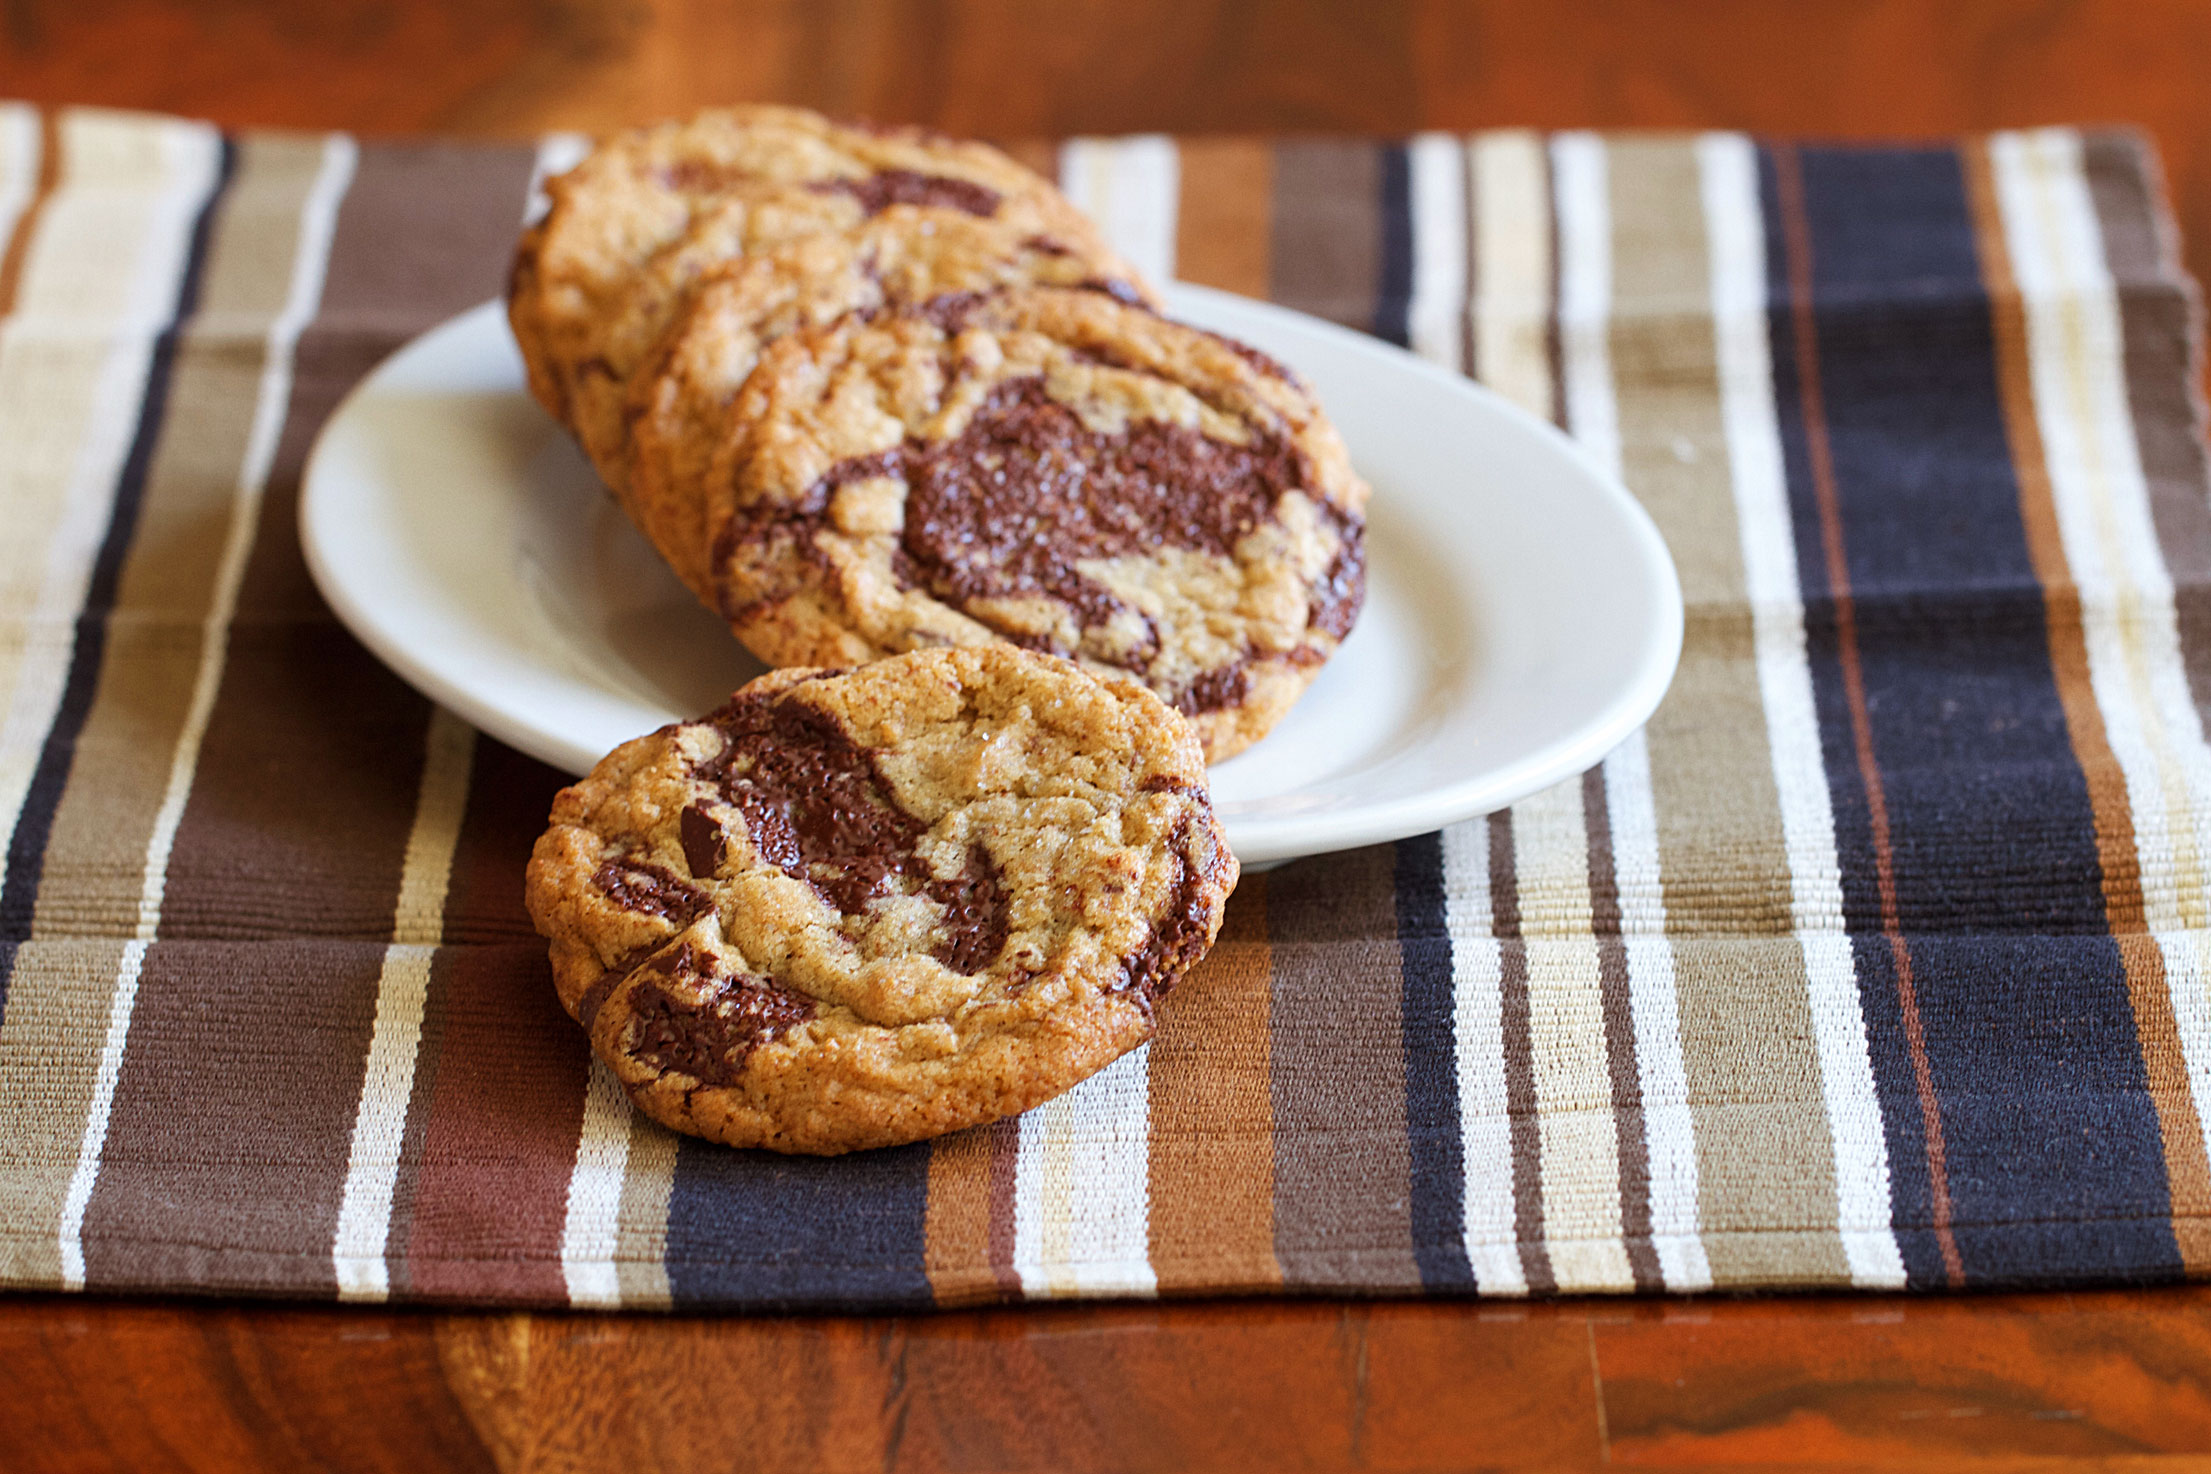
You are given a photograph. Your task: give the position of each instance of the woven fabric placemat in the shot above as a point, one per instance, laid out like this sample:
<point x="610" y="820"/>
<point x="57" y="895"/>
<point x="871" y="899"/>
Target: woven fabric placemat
<point x="1878" y="959"/>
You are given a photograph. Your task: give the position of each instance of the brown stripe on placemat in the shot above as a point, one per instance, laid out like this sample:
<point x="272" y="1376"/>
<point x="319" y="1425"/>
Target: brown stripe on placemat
<point x="968" y="1252"/>
<point x="510" y="800"/>
<point x="1224" y="225"/>
<point x="1722" y="847"/>
<point x="1519" y="1048"/>
<point x="299" y="818"/>
<point x="2159" y="316"/>
<point x="1325" y="242"/>
<point x="503" y="1114"/>
<point x="1212" y="1158"/>
<point x="1342" y="1172"/>
<point x="2187" y="1169"/>
<point x="1037" y="154"/>
<point x="1620" y="1042"/>
<point x="170" y="599"/>
<point x="225" y="1149"/>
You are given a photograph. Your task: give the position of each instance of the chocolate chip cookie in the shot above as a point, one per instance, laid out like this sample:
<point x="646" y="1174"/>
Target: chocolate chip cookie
<point x="852" y="909"/>
<point x="680" y="401"/>
<point x="1054" y="468"/>
<point x="633" y="226"/>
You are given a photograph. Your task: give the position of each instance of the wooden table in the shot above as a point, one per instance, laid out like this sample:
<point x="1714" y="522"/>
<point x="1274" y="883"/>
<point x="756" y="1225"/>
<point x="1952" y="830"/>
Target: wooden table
<point x="2052" y="1381"/>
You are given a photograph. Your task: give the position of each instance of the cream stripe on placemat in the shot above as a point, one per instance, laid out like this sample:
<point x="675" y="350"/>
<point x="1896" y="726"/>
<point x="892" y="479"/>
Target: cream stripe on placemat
<point x="19" y="160"/>
<point x="1436" y="318"/>
<point x="1513" y="269"/>
<point x="590" y="1233"/>
<point x="1477" y="1026"/>
<point x="387" y="1084"/>
<point x="1728" y="172"/>
<point x="1082" y="1209"/>
<point x="1130" y="187"/>
<point x="98" y="283"/>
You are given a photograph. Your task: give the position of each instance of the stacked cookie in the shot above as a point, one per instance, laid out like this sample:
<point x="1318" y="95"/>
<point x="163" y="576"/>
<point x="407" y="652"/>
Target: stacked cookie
<point x="871" y="391"/>
<point x="1028" y="554"/>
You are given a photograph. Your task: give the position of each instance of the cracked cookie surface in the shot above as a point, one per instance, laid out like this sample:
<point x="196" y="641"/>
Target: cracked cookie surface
<point x="856" y="908"/>
<point x="1053" y="468"/>
<point x="631" y="229"/>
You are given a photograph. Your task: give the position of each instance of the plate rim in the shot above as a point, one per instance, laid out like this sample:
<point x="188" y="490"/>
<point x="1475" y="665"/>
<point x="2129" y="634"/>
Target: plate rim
<point x="1259" y="840"/>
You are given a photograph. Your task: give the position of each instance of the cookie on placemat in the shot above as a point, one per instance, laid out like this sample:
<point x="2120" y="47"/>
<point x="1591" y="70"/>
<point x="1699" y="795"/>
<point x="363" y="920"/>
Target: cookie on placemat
<point x="1053" y="468"/>
<point x="631" y="228"/>
<point x="679" y="401"/>
<point x="851" y="909"/>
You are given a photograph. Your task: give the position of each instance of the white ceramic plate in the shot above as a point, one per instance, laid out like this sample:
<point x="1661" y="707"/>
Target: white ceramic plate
<point x="1522" y="615"/>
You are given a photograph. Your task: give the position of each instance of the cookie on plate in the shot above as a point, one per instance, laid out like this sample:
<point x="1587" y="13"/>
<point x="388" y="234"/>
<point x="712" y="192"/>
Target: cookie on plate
<point x="1049" y="467"/>
<point x="852" y="909"/>
<point x="631" y="228"/>
<point x="679" y="402"/>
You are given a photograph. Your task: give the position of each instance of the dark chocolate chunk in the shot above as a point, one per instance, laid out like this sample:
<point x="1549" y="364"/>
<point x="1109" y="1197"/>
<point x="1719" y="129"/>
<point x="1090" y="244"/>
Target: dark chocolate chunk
<point x="703" y="841"/>
<point x="817" y="809"/>
<point x="1343" y="586"/>
<point x="711" y="1040"/>
<point x="1013" y="502"/>
<point x="887" y="187"/>
<point x="1215" y="690"/>
<point x="640" y="885"/>
<point x="1178" y="936"/>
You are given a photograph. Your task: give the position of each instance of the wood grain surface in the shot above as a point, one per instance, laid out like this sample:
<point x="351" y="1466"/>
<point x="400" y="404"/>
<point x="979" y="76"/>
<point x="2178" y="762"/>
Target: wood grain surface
<point x="2114" y="1380"/>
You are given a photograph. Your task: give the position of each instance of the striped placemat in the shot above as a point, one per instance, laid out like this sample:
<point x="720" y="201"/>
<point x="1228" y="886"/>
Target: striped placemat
<point x="1878" y="959"/>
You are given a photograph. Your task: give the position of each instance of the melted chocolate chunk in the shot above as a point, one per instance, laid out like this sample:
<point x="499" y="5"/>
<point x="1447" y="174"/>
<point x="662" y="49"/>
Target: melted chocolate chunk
<point x="1025" y="492"/>
<point x="888" y="187"/>
<point x="974" y="915"/>
<point x="1177" y="938"/>
<point x="1215" y="690"/>
<point x="1343" y="586"/>
<point x="640" y="885"/>
<point x="708" y="1041"/>
<point x="1011" y="504"/>
<point x="950" y="310"/>
<point x="703" y="841"/>
<point x="1117" y="289"/>
<point x="594" y="997"/>
<point x="817" y="809"/>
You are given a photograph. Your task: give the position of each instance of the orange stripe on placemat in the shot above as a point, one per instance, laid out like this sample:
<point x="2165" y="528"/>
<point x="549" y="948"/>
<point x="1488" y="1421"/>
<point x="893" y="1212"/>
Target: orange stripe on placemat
<point x="1038" y="154"/>
<point x="26" y="227"/>
<point x="2187" y="1169"/>
<point x="504" y="1114"/>
<point x="969" y="1249"/>
<point x="1212" y="1158"/>
<point x="1797" y="241"/>
<point x="1223" y="226"/>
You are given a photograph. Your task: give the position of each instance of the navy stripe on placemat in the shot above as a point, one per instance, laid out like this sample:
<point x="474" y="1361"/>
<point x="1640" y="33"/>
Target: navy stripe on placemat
<point x="1393" y="289"/>
<point x="2007" y="1066"/>
<point x="750" y="1230"/>
<point x="34" y="824"/>
<point x="1436" y="1154"/>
